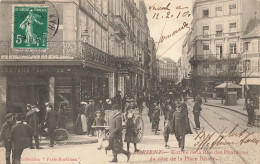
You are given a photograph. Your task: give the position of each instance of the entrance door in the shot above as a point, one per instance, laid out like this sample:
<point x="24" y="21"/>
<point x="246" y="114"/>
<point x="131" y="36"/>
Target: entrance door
<point x="26" y="90"/>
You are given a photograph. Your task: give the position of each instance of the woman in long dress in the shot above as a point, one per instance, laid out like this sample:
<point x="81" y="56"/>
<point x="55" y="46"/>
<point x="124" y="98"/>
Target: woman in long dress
<point x="81" y="122"/>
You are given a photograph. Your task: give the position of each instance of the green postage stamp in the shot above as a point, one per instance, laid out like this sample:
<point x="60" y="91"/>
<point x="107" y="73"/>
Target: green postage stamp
<point x="30" y="27"/>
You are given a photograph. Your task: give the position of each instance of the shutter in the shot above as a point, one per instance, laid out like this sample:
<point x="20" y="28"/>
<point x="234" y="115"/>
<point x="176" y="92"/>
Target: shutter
<point x="241" y="47"/>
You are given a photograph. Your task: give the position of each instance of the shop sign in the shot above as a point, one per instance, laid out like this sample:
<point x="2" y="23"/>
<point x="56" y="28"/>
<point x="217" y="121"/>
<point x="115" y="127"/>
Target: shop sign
<point x="24" y="70"/>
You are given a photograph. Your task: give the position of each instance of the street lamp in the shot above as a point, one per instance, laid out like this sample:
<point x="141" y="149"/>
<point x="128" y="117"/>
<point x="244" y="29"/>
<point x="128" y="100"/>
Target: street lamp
<point x="85" y="36"/>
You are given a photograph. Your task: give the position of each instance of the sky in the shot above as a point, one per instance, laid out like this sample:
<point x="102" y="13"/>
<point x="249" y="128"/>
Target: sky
<point x="159" y="25"/>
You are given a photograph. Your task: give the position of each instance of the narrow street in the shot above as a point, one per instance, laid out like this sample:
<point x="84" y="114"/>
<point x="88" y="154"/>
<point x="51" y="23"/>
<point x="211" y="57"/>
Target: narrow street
<point x="213" y="122"/>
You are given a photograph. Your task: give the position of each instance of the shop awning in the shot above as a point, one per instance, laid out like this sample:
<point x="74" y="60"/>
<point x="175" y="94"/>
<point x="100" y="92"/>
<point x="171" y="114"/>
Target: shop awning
<point x="250" y="81"/>
<point x="230" y="85"/>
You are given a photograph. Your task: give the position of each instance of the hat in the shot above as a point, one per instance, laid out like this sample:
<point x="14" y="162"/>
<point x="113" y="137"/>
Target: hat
<point x="178" y="105"/>
<point x="28" y="105"/>
<point x="107" y="100"/>
<point x="84" y="103"/>
<point x="98" y="111"/>
<point x="170" y="93"/>
<point x="91" y="100"/>
<point x="9" y="115"/>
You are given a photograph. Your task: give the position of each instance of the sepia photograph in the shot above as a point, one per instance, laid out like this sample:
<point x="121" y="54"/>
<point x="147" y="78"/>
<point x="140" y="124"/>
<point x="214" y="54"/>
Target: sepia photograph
<point x="129" y="81"/>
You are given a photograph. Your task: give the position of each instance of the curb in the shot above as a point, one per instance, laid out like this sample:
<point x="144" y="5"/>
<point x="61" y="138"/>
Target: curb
<point x="69" y="142"/>
<point x="226" y="108"/>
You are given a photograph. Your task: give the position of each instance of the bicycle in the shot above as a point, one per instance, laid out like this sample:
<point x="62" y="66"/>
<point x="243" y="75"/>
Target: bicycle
<point x="61" y="136"/>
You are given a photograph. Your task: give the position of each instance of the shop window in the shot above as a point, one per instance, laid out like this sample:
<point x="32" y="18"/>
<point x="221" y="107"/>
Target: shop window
<point x="233" y="48"/>
<point x="219" y="30"/>
<point x="219" y="11"/>
<point x="206" y="13"/>
<point x="232" y="28"/>
<point x="205" y="31"/>
<point x="232" y="9"/>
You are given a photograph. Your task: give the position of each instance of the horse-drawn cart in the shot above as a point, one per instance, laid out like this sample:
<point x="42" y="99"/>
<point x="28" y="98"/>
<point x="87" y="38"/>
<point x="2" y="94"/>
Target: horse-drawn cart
<point x="138" y="121"/>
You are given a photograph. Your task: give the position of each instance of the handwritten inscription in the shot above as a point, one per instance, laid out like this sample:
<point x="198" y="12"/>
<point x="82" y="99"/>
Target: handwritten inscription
<point x="182" y="12"/>
<point x="154" y="7"/>
<point x="165" y="37"/>
<point x="208" y="141"/>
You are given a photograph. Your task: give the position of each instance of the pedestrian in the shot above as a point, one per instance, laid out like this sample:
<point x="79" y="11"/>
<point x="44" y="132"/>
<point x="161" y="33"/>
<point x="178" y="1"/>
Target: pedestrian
<point x="156" y="119"/>
<point x="131" y="134"/>
<point x="100" y="106"/>
<point x="199" y="99"/>
<point x="90" y="116"/>
<point x="19" y="137"/>
<point x="250" y="111"/>
<point x="130" y="106"/>
<point x="61" y="116"/>
<point x="50" y="122"/>
<point x="166" y="132"/>
<point x="179" y="126"/>
<point x="5" y="136"/>
<point x="184" y="106"/>
<point x="115" y="135"/>
<point x="256" y="101"/>
<point x="81" y="122"/>
<point x="99" y="121"/>
<point x="196" y="112"/>
<point x="33" y="120"/>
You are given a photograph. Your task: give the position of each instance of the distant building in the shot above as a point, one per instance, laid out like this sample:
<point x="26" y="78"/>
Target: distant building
<point x="168" y="71"/>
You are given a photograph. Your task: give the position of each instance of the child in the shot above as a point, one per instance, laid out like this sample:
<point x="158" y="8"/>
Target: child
<point x="130" y="135"/>
<point x="5" y="133"/>
<point x="156" y="119"/>
<point x="166" y="132"/>
<point x="99" y="121"/>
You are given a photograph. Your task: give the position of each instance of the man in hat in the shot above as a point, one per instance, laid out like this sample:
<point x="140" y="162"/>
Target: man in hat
<point x="156" y="118"/>
<point x="50" y="122"/>
<point x="196" y="112"/>
<point x="250" y="111"/>
<point x="19" y="136"/>
<point x="90" y="115"/>
<point x="179" y="126"/>
<point x="33" y="120"/>
<point x="115" y="135"/>
<point x="99" y="121"/>
<point x="5" y="136"/>
<point x="130" y="106"/>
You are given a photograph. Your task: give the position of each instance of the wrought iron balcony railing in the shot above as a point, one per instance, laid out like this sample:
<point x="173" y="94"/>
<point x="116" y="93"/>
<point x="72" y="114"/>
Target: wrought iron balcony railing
<point x="58" y="50"/>
<point x="215" y="57"/>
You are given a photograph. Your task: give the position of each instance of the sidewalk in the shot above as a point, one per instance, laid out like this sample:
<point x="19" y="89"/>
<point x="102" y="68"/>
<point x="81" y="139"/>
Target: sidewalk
<point x="239" y="108"/>
<point x="73" y="140"/>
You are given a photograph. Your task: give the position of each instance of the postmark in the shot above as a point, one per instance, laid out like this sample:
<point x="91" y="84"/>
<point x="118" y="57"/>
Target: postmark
<point x="30" y="27"/>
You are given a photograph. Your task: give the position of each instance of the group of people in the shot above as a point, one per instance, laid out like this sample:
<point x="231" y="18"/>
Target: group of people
<point x="18" y="131"/>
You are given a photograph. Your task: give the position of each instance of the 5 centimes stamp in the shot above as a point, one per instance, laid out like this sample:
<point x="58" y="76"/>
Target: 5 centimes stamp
<point x="30" y="27"/>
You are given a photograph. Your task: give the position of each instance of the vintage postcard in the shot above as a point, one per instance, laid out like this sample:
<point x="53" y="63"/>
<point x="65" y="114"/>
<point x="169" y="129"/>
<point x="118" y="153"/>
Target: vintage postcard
<point x="129" y="81"/>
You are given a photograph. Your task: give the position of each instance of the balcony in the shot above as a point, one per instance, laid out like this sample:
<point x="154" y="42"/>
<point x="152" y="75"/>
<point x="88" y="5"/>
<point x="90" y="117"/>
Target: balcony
<point x="122" y="27"/>
<point x="212" y="57"/>
<point x="71" y="52"/>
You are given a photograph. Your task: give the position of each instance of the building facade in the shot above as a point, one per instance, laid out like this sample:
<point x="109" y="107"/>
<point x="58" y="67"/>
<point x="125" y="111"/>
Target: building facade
<point x="168" y="72"/>
<point x="90" y="51"/>
<point x="216" y="41"/>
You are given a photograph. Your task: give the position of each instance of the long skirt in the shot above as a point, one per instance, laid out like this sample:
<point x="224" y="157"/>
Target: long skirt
<point x="83" y="123"/>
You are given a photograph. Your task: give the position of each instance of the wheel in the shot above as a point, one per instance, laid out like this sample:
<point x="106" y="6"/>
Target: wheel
<point x="139" y="125"/>
<point x="61" y="136"/>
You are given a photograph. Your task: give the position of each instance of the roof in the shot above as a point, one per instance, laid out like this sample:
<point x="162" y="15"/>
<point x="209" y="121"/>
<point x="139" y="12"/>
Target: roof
<point x="168" y="60"/>
<point x="252" y="28"/>
<point x="230" y="85"/>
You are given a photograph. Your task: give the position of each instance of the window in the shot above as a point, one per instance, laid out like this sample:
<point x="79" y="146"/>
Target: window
<point x="247" y="64"/>
<point x="232" y="28"/>
<point x="205" y="68"/>
<point x="218" y="68"/>
<point x="232" y="9"/>
<point x="232" y="48"/>
<point x="219" y="30"/>
<point x="246" y="46"/>
<point x="205" y="31"/>
<point x="219" y="51"/>
<point x="205" y="46"/>
<point x="219" y="11"/>
<point x="206" y="13"/>
<point x="259" y="65"/>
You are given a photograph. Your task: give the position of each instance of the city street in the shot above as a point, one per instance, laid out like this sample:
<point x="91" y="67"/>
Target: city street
<point x="213" y="122"/>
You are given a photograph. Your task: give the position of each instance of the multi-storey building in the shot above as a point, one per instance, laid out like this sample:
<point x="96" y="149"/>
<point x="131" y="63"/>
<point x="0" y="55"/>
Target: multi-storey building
<point x="90" y="50"/>
<point x="168" y="72"/>
<point x="250" y="61"/>
<point x="216" y="45"/>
